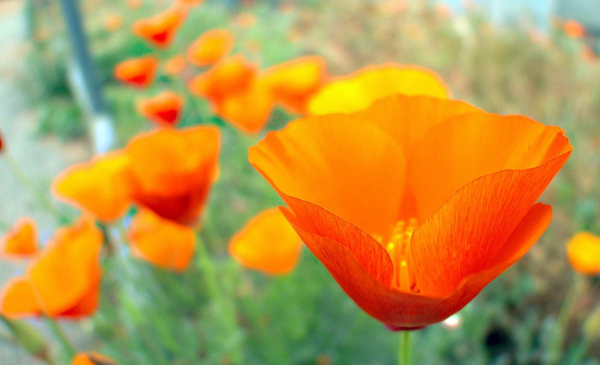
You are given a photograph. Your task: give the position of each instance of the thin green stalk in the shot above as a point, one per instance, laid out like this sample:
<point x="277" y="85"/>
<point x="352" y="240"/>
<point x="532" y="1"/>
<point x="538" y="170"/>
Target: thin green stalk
<point x="29" y="338"/>
<point x="555" y="347"/>
<point x="225" y="304"/>
<point x="43" y="199"/>
<point x="404" y="354"/>
<point x="68" y="349"/>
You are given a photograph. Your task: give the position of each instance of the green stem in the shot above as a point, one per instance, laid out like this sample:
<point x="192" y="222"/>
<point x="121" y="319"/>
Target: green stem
<point x="404" y="354"/>
<point x="224" y="303"/>
<point x="68" y="348"/>
<point x="43" y="199"/>
<point x="562" y="320"/>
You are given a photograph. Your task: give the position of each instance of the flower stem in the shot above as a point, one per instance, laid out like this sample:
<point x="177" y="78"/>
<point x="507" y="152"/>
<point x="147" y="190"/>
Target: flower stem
<point x="67" y="348"/>
<point x="404" y="354"/>
<point x="224" y="304"/>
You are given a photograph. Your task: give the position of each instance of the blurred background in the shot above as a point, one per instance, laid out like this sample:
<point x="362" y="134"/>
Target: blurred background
<point x="539" y="58"/>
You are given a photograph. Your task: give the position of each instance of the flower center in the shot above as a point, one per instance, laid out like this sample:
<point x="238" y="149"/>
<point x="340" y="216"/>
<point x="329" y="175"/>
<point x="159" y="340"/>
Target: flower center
<point x="398" y="249"/>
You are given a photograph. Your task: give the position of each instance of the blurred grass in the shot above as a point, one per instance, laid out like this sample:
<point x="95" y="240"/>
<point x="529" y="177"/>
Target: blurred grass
<point x="156" y="317"/>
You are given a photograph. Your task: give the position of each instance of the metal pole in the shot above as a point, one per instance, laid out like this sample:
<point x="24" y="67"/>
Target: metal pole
<point x="83" y="78"/>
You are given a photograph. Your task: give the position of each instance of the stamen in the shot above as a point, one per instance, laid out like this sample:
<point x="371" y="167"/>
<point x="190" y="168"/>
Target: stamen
<point x="398" y="248"/>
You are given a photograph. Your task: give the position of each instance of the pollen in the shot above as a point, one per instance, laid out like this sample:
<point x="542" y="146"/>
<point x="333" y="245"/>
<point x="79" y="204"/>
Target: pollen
<point x="398" y="248"/>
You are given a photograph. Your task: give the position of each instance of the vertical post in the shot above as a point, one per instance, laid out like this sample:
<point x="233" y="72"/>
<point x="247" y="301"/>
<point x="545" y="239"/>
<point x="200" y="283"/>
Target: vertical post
<point x="83" y="78"/>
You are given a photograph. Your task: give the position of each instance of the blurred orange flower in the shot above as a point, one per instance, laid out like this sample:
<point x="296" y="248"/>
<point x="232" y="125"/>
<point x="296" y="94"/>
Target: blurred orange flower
<point x="249" y="110"/>
<point x="416" y="203"/>
<point x="113" y="22"/>
<point x="161" y="28"/>
<point x="245" y="20"/>
<point x="584" y="253"/>
<point x="231" y="76"/>
<point x="21" y="241"/>
<point x="267" y="243"/>
<point x="2" y="147"/>
<point x="100" y="187"/>
<point x="210" y="47"/>
<point x="134" y="4"/>
<point x="137" y="71"/>
<point x="164" y="108"/>
<point x="357" y="91"/>
<point x="190" y="3"/>
<point x="293" y="83"/>
<point x="162" y="242"/>
<point x="63" y="280"/>
<point x="172" y="170"/>
<point x="574" y="29"/>
<point x="92" y="359"/>
<point x="175" y="65"/>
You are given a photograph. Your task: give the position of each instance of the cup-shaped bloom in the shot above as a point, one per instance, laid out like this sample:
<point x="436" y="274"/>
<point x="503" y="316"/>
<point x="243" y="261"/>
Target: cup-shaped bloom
<point x="584" y="253"/>
<point x="231" y="76"/>
<point x="161" y="28"/>
<point x="210" y="47"/>
<point x="99" y="187"/>
<point x="359" y="90"/>
<point x="163" y="109"/>
<point x="172" y="171"/>
<point x="174" y="65"/>
<point x="137" y="71"/>
<point x="63" y="280"/>
<point x="294" y="83"/>
<point x="248" y="110"/>
<point x="416" y="203"/>
<point x="161" y="242"/>
<point x="113" y="22"/>
<point x="21" y="241"/>
<point x="267" y="243"/>
<point x="92" y="358"/>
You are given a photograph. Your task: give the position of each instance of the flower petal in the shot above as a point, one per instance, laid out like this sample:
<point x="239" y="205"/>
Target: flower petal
<point x="21" y="241"/>
<point x="18" y="299"/>
<point x="409" y="311"/>
<point x="210" y="47"/>
<point x="100" y="187"/>
<point x="469" y="146"/>
<point x="162" y="242"/>
<point x="63" y="274"/>
<point x="341" y="164"/>
<point x="473" y="226"/>
<point x="267" y="243"/>
<point x="359" y="90"/>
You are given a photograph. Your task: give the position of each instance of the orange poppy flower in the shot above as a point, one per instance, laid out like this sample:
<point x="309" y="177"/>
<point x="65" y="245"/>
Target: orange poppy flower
<point x="267" y="243"/>
<point x="250" y="110"/>
<point x="245" y="20"/>
<point x="165" y="108"/>
<point x="210" y="47"/>
<point x="162" y="242"/>
<point x="92" y="359"/>
<point x="175" y="65"/>
<point x="137" y="71"/>
<point x="416" y="203"/>
<point x="359" y="90"/>
<point x="584" y="253"/>
<point x="231" y="76"/>
<point x="190" y="3"/>
<point x="113" y="22"/>
<point x="21" y="241"/>
<point x="294" y="83"/>
<point x="574" y="29"/>
<point x="172" y="170"/>
<point x="63" y="280"/>
<point x="1" y="143"/>
<point x="100" y="187"/>
<point x="134" y="4"/>
<point x="161" y="28"/>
